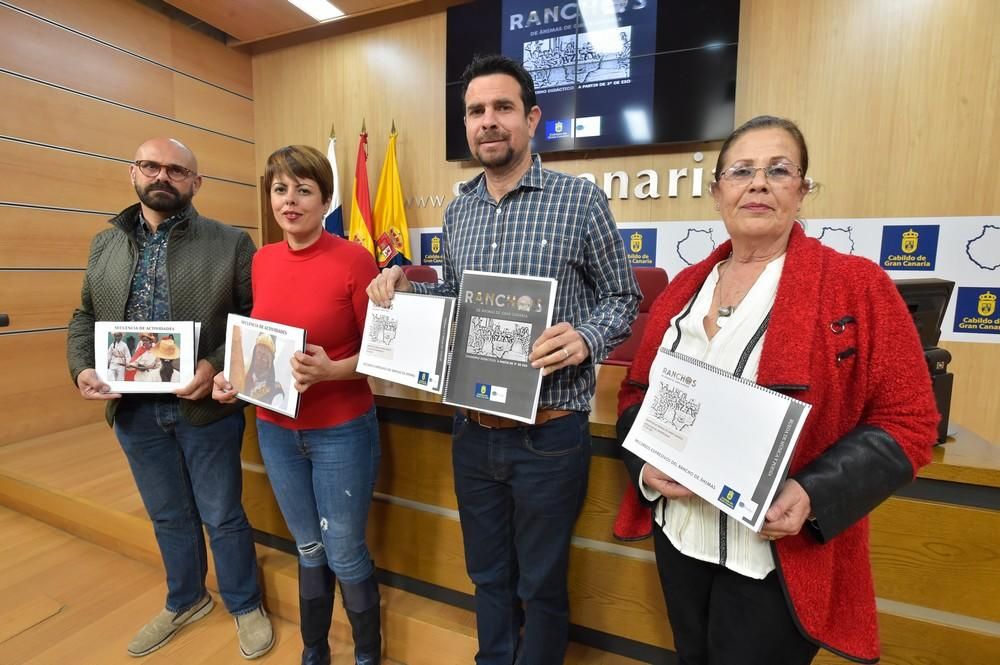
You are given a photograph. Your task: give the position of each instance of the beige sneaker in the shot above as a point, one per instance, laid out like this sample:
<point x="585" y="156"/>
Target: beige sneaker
<point x="164" y="625"/>
<point x="255" y="633"/>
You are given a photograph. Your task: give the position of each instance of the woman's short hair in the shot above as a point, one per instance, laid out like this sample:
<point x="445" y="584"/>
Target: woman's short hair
<point x="766" y="122"/>
<point x="300" y="162"/>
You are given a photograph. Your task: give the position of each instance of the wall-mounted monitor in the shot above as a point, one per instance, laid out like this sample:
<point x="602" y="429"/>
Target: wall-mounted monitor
<point x="607" y="73"/>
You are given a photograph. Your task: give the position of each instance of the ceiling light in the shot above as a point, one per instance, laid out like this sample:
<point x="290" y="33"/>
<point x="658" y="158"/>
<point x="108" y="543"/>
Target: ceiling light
<point x="321" y="10"/>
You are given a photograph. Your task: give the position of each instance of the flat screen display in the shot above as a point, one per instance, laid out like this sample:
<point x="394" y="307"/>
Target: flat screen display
<point x="927" y="299"/>
<point x="607" y="73"/>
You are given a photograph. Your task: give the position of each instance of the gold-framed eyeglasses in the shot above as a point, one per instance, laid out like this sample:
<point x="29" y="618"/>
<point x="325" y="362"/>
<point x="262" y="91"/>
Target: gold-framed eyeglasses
<point x="776" y="174"/>
<point x="151" y="169"/>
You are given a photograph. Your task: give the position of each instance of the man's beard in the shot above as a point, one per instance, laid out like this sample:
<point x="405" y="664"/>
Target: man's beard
<point x="500" y="160"/>
<point x="160" y="203"/>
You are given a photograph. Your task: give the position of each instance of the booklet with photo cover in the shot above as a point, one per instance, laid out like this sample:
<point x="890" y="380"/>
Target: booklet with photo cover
<point x="498" y="318"/>
<point x="259" y="362"/>
<point x="723" y="437"/>
<point x="407" y="343"/>
<point x="145" y="356"/>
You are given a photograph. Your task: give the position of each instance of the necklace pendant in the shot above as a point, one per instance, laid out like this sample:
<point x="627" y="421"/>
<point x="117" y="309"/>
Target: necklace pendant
<point x="726" y="311"/>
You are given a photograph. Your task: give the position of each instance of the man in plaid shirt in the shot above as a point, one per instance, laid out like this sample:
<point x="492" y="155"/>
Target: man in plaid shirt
<point x="520" y="487"/>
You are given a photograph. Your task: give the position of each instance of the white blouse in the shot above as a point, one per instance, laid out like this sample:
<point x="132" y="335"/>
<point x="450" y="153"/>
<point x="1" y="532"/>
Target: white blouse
<point x="694" y="526"/>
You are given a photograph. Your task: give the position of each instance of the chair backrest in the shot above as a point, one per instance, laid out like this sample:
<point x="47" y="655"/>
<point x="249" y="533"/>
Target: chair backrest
<point x="420" y="273"/>
<point x="652" y="281"/>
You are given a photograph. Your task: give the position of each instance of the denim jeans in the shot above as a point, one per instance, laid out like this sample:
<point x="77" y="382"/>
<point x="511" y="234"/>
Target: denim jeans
<point x="519" y="493"/>
<point x="323" y="480"/>
<point x="187" y="476"/>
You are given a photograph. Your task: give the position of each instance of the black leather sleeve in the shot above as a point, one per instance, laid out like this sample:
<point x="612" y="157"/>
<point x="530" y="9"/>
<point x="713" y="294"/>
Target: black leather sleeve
<point x="633" y="463"/>
<point x="856" y="474"/>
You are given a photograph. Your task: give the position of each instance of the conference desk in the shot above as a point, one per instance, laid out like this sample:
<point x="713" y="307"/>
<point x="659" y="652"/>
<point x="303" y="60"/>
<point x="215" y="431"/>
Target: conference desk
<point x="935" y="545"/>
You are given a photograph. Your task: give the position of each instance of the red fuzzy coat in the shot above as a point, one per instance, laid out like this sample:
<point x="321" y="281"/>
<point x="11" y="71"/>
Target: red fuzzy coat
<point x="884" y="384"/>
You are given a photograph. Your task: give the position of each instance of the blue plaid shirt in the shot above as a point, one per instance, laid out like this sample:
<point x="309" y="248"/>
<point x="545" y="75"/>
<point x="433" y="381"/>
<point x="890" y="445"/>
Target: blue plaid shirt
<point x="149" y="297"/>
<point x="550" y="225"/>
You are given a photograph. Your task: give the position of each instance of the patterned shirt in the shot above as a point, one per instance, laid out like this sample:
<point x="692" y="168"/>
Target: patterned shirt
<point x="550" y="225"/>
<point x="149" y="297"/>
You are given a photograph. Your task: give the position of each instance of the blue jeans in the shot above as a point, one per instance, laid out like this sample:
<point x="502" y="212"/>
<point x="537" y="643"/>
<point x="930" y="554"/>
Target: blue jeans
<point x="323" y="480"/>
<point x="187" y="476"/>
<point x="519" y="493"/>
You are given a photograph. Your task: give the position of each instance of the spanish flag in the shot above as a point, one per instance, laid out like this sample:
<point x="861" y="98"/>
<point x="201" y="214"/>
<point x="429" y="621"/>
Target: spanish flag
<point x="361" y="206"/>
<point x="392" y="242"/>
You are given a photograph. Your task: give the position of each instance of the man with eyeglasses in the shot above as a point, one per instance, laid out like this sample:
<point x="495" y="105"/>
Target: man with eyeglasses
<point x="161" y="261"/>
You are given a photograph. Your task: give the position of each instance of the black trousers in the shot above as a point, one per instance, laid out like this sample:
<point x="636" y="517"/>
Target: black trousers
<point x="720" y="617"/>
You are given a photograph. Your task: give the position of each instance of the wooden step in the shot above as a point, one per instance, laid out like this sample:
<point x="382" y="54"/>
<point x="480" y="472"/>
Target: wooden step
<point x="79" y="481"/>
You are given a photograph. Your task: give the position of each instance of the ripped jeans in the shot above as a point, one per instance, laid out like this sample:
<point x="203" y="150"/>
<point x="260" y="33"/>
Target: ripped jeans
<point x="323" y="480"/>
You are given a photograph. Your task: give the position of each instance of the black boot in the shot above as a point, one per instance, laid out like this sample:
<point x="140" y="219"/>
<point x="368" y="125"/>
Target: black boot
<point x="361" y="602"/>
<point x="315" y="613"/>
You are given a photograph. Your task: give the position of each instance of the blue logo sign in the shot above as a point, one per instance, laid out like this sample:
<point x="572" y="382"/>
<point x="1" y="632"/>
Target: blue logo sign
<point x="483" y="390"/>
<point x="431" y="253"/>
<point x="976" y="310"/>
<point x="640" y="246"/>
<point x="729" y="496"/>
<point x="909" y="247"/>
<point x="423" y="378"/>
<point x="558" y="129"/>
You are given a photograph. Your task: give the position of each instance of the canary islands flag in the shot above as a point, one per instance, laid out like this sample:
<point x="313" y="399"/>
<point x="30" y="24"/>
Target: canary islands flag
<point x="334" y="222"/>
<point x="361" y="206"/>
<point x="392" y="242"/>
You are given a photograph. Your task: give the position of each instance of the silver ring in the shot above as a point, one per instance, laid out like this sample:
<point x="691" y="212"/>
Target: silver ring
<point x="565" y="353"/>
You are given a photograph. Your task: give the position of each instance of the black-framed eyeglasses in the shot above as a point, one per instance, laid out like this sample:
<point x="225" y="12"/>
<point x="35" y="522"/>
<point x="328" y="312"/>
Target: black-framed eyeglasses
<point x="777" y="174"/>
<point x="151" y="169"/>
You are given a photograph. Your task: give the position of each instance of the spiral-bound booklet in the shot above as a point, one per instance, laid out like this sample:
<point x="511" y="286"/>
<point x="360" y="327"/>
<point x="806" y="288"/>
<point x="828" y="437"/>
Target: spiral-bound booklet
<point x="498" y="318"/>
<point x="725" y="438"/>
<point x="408" y="342"/>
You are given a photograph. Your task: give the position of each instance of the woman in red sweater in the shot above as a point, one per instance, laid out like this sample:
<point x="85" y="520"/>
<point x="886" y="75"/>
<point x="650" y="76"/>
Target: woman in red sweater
<point x="322" y="465"/>
<point x="777" y="307"/>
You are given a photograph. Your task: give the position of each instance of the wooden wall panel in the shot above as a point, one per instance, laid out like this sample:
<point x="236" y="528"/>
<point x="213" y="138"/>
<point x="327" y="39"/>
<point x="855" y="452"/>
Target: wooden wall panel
<point x="212" y="61"/>
<point x="416" y="465"/>
<point x="34" y="238"/>
<point x="141" y="30"/>
<point x="97" y="70"/>
<point x="44" y="176"/>
<point x="39" y="298"/>
<point x="206" y="106"/>
<point x="893" y="97"/>
<point x="38" y="238"/>
<point x="111" y="74"/>
<point x="41" y="398"/>
<point x="953" y="549"/>
<point x="83" y="84"/>
<point x="908" y="641"/>
<point x="975" y="402"/>
<point x="429" y="547"/>
<point x="68" y="120"/>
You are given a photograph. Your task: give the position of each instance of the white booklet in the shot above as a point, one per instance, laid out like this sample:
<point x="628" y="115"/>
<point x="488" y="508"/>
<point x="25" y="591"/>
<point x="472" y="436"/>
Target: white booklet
<point x="725" y="438"/>
<point x="407" y="343"/>
<point x="498" y="318"/>
<point x="145" y="356"/>
<point x="259" y="362"/>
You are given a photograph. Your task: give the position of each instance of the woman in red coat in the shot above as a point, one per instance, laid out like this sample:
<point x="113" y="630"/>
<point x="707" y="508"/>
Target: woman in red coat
<point x="777" y="307"/>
